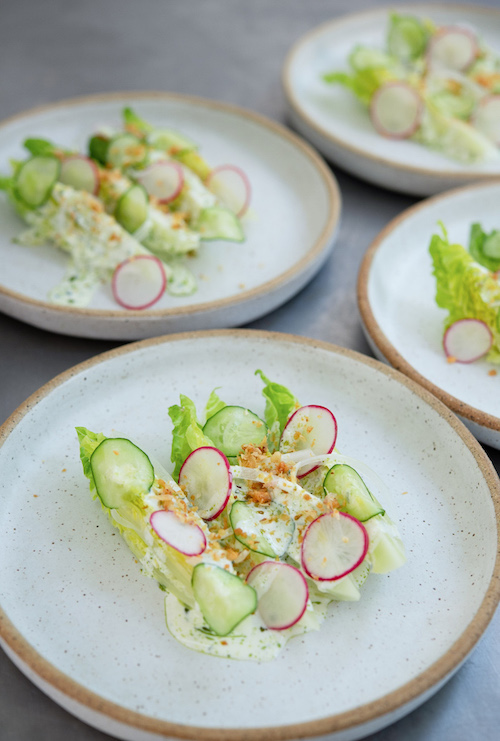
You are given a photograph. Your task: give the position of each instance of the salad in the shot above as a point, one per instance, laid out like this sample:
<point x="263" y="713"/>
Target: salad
<point x="261" y="524"/>
<point x="468" y="287"/>
<point x="128" y="213"/>
<point x="436" y="85"/>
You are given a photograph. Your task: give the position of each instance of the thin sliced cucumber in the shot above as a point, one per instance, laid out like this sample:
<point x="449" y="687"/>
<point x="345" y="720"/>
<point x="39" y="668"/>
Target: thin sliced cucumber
<point x="121" y="471"/>
<point x="266" y="529"/>
<point x="171" y="141"/>
<point x="35" y="179"/>
<point x="407" y="37"/>
<point x="98" y="148"/>
<point x="233" y="426"/>
<point x="351" y="492"/>
<point x="218" y="222"/>
<point x="132" y="208"/>
<point x="223" y="598"/>
<point x="125" y="150"/>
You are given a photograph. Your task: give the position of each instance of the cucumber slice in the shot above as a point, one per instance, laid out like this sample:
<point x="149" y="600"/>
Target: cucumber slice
<point x="132" y="208"/>
<point x="218" y="222"/>
<point x="121" y="471"/>
<point x="223" y="598"/>
<point x="171" y="141"/>
<point x="125" y="150"/>
<point x="98" y="148"/>
<point x="233" y="426"/>
<point x="35" y="179"/>
<point x="266" y="529"/>
<point x="351" y="492"/>
<point x="407" y="37"/>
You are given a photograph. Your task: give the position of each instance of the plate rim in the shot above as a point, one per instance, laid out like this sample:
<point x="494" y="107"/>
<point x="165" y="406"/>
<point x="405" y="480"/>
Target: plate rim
<point x="433" y="676"/>
<point x="293" y="100"/>
<point x="378" y="336"/>
<point x="334" y="208"/>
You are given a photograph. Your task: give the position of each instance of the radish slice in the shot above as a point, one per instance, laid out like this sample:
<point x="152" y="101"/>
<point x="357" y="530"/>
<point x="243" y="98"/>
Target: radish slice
<point x="282" y="593"/>
<point x="206" y="478"/>
<point x="452" y="47"/>
<point x="486" y="118"/>
<point x="185" y="537"/>
<point x="232" y="187"/>
<point x="311" y="427"/>
<point x="139" y="282"/>
<point x="334" y="544"/>
<point x="396" y="110"/>
<point x="163" y="180"/>
<point x="467" y="340"/>
<point x="81" y="173"/>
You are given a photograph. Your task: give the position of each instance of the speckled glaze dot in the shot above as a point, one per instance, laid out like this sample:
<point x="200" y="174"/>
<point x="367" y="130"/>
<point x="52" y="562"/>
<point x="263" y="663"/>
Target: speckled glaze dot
<point x="402" y="322"/>
<point x="332" y="119"/>
<point x="85" y="625"/>
<point x="289" y="231"/>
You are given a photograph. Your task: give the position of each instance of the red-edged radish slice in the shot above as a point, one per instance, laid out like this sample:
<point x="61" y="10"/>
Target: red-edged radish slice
<point x="396" y="110"/>
<point x="139" y="282"/>
<point x="282" y="593"/>
<point x="185" y="537"/>
<point x="486" y="118"/>
<point x="232" y="187"/>
<point x="467" y="340"/>
<point x="163" y="180"/>
<point x="334" y="544"/>
<point x="80" y="172"/>
<point x="452" y="47"/>
<point x="206" y="478"/>
<point x="310" y="428"/>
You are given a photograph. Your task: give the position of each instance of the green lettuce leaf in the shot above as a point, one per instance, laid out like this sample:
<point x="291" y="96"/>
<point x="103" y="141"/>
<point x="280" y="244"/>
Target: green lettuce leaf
<point x="465" y="289"/>
<point x="187" y="434"/>
<point x="88" y="443"/>
<point x="39" y="146"/>
<point x="407" y="36"/>
<point x="280" y="403"/>
<point x="362" y="82"/>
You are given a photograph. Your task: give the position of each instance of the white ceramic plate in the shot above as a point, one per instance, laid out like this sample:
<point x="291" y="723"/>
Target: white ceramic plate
<point x="82" y="622"/>
<point x="402" y="322"/>
<point x="338" y="125"/>
<point x="290" y="230"/>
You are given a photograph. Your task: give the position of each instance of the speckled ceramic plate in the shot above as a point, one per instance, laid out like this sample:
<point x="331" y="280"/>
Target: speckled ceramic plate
<point x="82" y="622"/>
<point x="290" y="229"/>
<point x="338" y="125"/>
<point x="402" y="322"/>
